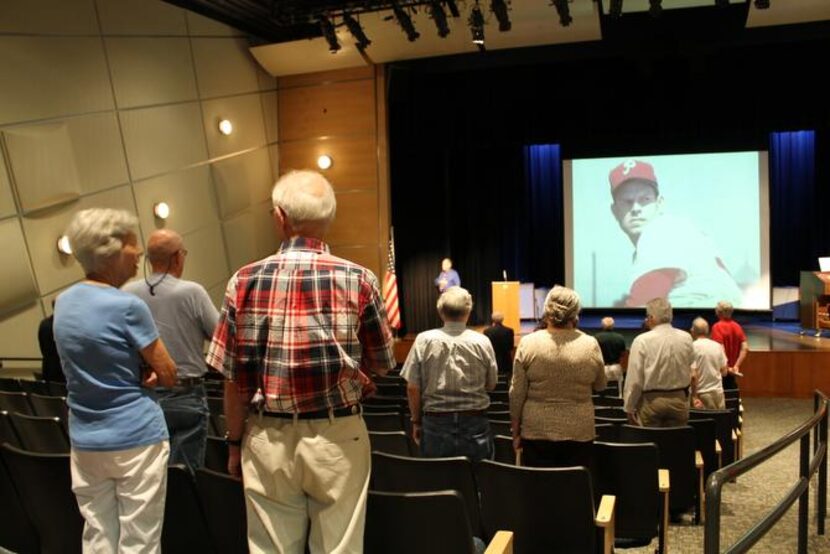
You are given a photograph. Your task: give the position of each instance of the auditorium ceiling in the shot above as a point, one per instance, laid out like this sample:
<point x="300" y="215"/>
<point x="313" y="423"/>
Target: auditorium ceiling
<point x="288" y="40"/>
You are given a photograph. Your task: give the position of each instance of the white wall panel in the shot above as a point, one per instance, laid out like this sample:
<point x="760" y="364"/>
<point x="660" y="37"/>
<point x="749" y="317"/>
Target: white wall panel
<point x="199" y="25"/>
<point x="250" y="236"/>
<point x="242" y="181"/>
<point x="188" y="193"/>
<point x="140" y="17"/>
<point x="217" y="294"/>
<point x="163" y="139"/>
<point x="149" y="71"/>
<point x="269" y="115"/>
<point x="245" y="112"/>
<point x="64" y="17"/>
<point x="224" y="66"/>
<point x="206" y="261"/>
<point x="7" y="207"/>
<point x="52" y="76"/>
<point x="18" y="282"/>
<point x="18" y="332"/>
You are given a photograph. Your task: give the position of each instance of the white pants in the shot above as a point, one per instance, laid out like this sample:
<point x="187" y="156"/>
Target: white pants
<point x="121" y="497"/>
<point x="315" y="470"/>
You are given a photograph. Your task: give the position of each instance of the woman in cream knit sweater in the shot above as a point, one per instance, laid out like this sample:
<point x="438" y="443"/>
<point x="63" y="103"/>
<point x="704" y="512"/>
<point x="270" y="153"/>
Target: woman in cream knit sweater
<point x="554" y="373"/>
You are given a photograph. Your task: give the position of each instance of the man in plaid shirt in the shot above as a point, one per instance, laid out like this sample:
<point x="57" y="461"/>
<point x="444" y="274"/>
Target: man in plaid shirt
<point x="297" y="333"/>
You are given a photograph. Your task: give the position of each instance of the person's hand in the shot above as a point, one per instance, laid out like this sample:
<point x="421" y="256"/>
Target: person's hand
<point x="149" y="378"/>
<point x="517" y="442"/>
<point x="697" y="403"/>
<point x="416" y="433"/>
<point x="632" y="419"/>
<point x="235" y="461"/>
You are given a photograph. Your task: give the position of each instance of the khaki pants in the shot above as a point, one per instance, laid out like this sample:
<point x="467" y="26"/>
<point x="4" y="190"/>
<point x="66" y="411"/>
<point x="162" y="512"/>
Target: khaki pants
<point x="296" y="471"/>
<point x="121" y="496"/>
<point x="664" y="409"/>
<point x="712" y="400"/>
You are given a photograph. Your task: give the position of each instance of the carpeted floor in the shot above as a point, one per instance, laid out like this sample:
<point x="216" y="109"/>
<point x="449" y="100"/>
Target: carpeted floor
<point x="747" y="500"/>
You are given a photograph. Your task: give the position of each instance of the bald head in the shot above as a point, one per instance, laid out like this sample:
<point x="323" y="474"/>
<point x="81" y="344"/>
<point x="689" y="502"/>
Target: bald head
<point x="607" y="323"/>
<point x="162" y="246"/>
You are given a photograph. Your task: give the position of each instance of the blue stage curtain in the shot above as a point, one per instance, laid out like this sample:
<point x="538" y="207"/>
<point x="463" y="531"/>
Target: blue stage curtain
<point x="797" y="210"/>
<point x="543" y="240"/>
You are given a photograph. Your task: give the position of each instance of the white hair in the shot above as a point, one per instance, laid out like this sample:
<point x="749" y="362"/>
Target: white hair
<point x="700" y="327"/>
<point x="97" y="234"/>
<point x="660" y="310"/>
<point x="497" y="317"/>
<point x="561" y="306"/>
<point x="306" y="198"/>
<point x="724" y="308"/>
<point x="455" y="303"/>
<point x="607" y="323"/>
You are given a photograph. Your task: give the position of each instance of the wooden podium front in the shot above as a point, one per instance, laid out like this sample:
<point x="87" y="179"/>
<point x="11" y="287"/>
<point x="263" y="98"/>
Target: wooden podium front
<point x="814" y="296"/>
<point x="506" y="301"/>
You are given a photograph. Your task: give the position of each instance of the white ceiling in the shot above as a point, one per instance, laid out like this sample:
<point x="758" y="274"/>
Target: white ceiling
<point x="535" y="23"/>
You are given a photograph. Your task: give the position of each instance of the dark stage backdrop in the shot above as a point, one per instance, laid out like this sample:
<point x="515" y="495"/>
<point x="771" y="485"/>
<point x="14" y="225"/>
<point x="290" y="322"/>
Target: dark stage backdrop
<point x="466" y="185"/>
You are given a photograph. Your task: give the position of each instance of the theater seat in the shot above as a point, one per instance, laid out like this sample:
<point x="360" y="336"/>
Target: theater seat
<point x="391" y="442"/>
<point x="15" y="402"/>
<point x="223" y="502"/>
<point x="45" y="435"/>
<point x="185" y="528"/>
<point x="17" y="534"/>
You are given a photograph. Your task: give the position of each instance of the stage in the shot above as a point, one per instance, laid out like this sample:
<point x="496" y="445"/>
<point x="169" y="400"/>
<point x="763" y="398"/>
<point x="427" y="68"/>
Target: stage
<point x="781" y="362"/>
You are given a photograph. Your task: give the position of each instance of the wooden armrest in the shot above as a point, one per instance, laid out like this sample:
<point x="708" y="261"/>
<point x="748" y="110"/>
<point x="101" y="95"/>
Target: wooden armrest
<point x="698" y="459"/>
<point x="734" y="436"/>
<point x="663" y="481"/>
<point x="738" y="434"/>
<point x="502" y="543"/>
<point x="740" y="421"/>
<point x="605" y="514"/>
<point x="740" y="407"/>
<point x="519" y="457"/>
<point x="718" y="449"/>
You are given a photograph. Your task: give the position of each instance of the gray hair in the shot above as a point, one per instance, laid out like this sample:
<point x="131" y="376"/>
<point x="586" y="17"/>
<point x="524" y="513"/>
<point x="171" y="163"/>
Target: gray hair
<point x="700" y="327"/>
<point x="561" y="306"/>
<point x="455" y="303"/>
<point x="97" y="234"/>
<point x="497" y="317"/>
<point x="724" y="308"/>
<point x="306" y="198"/>
<point x="607" y="323"/>
<point x="660" y="310"/>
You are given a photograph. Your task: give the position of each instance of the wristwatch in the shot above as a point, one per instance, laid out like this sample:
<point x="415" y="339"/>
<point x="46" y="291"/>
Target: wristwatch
<point x="232" y="442"/>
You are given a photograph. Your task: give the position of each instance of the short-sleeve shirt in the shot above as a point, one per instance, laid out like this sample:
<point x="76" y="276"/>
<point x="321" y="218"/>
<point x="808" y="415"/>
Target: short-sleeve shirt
<point x="731" y="335"/>
<point x="300" y="326"/>
<point x="100" y="332"/>
<point x="709" y="357"/>
<point x="612" y="345"/>
<point x="185" y="318"/>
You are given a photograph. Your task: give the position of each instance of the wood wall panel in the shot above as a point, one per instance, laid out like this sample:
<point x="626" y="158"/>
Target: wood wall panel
<point x="357" y="219"/>
<point x="792" y="373"/>
<point x="326" y="77"/>
<point x="338" y="109"/>
<point x="367" y="256"/>
<point x="355" y="160"/>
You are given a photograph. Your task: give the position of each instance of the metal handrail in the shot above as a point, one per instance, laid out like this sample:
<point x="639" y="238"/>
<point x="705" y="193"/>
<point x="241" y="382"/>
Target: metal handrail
<point x="799" y="491"/>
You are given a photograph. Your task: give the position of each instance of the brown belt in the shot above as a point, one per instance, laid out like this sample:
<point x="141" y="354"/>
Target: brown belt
<point x="460" y="413"/>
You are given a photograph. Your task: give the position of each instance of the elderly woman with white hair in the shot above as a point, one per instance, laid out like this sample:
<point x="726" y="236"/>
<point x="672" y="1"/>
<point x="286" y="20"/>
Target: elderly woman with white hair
<point x="554" y="373"/>
<point x="117" y="430"/>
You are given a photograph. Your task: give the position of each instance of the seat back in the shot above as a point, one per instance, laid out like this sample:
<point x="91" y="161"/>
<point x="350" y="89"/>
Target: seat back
<point x="607" y="432"/>
<point x="216" y="454"/>
<point x="500" y="427"/>
<point x="612" y="401"/>
<point x="390" y="442"/>
<point x="731" y="393"/>
<point x="216" y="405"/>
<point x="223" y="502"/>
<point x="15" y="402"/>
<point x="504" y="449"/>
<point x="57" y="389"/>
<point x="386" y="421"/>
<point x="548" y="509"/>
<point x="10" y="385"/>
<point x="45" y="435"/>
<point x="610" y="412"/>
<point x="501" y="396"/>
<point x="381" y="408"/>
<point x="629" y="472"/>
<point x="185" y="528"/>
<point x="45" y="405"/>
<point x="723" y="429"/>
<point x="34" y="387"/>
<point x="499" y="415"/>
<point x="45" y="486"/>
<point x="404" y="474"/>
<point x="610" y="420"/>
<point x="676" y="446"/>
<point x="395" y="523"/>
<point x="706" y="433"/>
<point x="7" y="432"/>
<point x="17" y="534"/>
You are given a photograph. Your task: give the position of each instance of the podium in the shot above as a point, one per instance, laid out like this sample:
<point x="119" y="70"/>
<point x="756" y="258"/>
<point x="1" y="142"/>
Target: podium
<point x="814" y="296"/>
<point x="506" y="300"/>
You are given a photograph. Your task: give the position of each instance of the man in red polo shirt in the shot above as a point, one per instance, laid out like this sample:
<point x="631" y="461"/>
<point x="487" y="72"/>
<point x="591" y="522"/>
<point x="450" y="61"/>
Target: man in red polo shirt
<point x="297" y="333"/>
<point x="731" y="335"/>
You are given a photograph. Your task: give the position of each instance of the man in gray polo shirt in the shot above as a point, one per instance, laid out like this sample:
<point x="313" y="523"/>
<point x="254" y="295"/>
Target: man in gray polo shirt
<point x="185" y="318"/>
<point x="448" y="373"/>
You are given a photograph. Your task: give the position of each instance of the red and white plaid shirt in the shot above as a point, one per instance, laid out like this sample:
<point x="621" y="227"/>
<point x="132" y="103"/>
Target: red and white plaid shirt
<point x="300" y="326"/>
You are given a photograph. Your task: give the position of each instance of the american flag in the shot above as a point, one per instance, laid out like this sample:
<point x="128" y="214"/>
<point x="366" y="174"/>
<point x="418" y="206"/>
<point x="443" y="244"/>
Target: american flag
<point x="390" y="287"/>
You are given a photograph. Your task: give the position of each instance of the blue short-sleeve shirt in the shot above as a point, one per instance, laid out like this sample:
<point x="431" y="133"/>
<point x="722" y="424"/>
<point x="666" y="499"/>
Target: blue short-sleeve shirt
<point x="99" y="332"/>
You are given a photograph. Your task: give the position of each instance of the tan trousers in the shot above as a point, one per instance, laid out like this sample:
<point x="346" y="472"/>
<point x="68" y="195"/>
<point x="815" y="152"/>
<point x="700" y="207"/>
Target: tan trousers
<point x="296" y="471"/>
<point x="121" y="497"/>
<point x="712" y="400"/>
<point x="664" y="409"/>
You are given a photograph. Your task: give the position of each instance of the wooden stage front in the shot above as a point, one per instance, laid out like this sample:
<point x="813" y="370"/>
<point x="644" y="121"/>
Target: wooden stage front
<point x="781" y="362"/>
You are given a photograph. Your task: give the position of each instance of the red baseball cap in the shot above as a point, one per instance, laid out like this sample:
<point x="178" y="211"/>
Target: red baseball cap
<point x="632" y="169"/>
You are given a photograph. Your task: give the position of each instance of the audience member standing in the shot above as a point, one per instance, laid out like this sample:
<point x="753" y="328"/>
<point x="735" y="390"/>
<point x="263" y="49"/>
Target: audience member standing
<point x="119" y="439"/>
<point x="185" y="318"/>
<point x="731" y="335"/>
<point x="448" y="373"/>
<point x="659" y="371"/>
<point x="501" y="337"/>
<point x="297" y="328"/>
<point x="554" y="374"/>
<point x="50" y="366"/>
<point x="708" y="367"/>
<point x="612" y="345"/>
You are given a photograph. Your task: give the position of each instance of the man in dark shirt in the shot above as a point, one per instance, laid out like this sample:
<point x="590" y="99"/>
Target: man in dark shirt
<point x="51" y="364"/>
<point x="502" y="339"/>
<point x="612" y="345"/>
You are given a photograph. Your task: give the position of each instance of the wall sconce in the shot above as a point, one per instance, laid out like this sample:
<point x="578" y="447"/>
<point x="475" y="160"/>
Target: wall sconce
<point x="63" y="245"/>
<point x="225" y="127"/>
<point x="161" y="210"/>
<point x="324" y="162"/>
